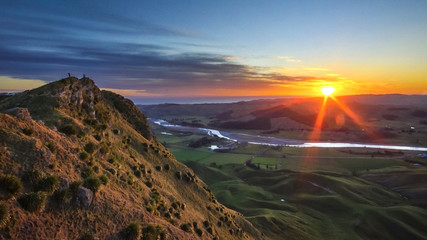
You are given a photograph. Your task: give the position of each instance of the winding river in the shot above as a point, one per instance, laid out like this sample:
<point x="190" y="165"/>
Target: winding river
<point x="273" y="141"/>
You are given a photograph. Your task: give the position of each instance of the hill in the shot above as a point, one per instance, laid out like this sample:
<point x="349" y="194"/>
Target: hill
<point x="77" y="162"/>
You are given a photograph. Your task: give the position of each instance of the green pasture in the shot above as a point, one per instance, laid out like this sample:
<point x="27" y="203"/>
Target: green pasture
<point x="316" y="193"/>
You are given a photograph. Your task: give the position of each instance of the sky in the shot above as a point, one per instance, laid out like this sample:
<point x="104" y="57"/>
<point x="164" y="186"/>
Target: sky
<point x="166" y="49"/>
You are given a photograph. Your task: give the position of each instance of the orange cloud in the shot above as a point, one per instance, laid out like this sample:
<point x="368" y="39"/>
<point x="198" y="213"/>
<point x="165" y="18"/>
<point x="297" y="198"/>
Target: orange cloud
<point x="232" y="58"/>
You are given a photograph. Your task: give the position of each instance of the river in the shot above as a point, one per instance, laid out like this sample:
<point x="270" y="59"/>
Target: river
<point x="273" y="141"/>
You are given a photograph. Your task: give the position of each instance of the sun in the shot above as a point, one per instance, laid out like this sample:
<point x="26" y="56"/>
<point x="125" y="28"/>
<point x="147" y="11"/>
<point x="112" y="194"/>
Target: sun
<point x="328" y="90"/>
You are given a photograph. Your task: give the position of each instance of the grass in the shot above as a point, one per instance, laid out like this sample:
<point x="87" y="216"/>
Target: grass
<point x="4" y="215"/>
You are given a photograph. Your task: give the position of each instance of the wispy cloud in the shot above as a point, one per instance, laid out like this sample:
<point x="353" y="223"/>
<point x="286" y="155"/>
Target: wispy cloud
<point x="289" y="59"/>
<point x="333" y="74"/>
<point x="231" y="58"/>
<point x="316" y="69"/>
<point x="130" y="92"/>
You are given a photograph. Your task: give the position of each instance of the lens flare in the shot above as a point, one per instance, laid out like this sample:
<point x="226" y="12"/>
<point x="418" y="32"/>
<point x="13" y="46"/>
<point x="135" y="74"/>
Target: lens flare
<point x="327" y="90"/>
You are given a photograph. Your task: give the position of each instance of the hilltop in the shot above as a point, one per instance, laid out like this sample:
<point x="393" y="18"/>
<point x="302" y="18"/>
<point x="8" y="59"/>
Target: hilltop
<point x="78" y="162"/>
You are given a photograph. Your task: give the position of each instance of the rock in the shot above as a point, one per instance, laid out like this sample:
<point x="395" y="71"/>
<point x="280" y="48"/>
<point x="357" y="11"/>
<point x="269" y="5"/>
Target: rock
<point x="74" y="150"/>
<point x="84" y="197"/>
<point x="46" y="155"/>
<point x="64" y="183"/>
<point x="20" y="113"/>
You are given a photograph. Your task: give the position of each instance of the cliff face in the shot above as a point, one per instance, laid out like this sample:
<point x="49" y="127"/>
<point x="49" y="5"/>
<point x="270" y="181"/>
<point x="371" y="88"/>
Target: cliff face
<point x="86" y="164"/>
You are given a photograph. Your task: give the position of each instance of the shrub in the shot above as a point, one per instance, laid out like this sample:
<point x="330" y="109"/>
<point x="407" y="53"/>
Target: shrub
<point x="104" y="148"/>
<point x="199" y="231"/>
<point x="97" y="137"/>
<point x="61" y="196"/>
<point x="68" y="129"/>
<point x="206" y="223"/>
<point x="90" y="147"/>
<point x="28" y="131"/>
<point x="48" y="184"/>
<point x="186" y="227"/>
<point x="32" y="177"/>
<point x="10" y="185"/>
<point x="138" y="173"/>
<point x="149" y="184"/>
<point x="175" y="205"/>
<point x="93" y="183"/>
<point x="104" y="179"/>
<point x="83" y="155"/>
<point x="4" y="215"/>
<point x="152" y="232"/>
<point x="51" y="147"/>
<point x="112" y="171"/>
<point x="81" y="135"/>
<point x="32" y="202"/>
<point x="166" y="167"/>
<point x="132" y="231"/>
<point x="87" y="172"/>
<point x="74" y="186"/>
<point x="86" y="236"/>
<point x="91" y="122"/>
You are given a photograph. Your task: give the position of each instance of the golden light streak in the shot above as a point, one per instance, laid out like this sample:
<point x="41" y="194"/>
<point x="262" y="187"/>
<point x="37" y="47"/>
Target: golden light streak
<point x="317" y="128"/>
<point x="354" y="117"/>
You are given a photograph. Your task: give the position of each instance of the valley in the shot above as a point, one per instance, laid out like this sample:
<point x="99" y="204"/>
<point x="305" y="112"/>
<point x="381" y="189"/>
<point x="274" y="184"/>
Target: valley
<point x="305" y="193"/>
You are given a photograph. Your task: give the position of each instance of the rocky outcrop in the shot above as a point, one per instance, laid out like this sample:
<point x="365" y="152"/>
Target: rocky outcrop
<point x="20" y="113"/>
<point x="82" y="93"/>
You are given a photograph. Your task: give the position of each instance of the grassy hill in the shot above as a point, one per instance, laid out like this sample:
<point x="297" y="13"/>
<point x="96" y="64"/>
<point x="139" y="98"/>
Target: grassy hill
<point x="76" y="162"/>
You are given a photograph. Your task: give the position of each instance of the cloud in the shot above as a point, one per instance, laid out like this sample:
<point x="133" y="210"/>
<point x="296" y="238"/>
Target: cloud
<point x="316" y="69"/>
<point x="289" y="59"/>
<point x="9" y="84"/>
<point x="130" y="92"/>
<point x="231" y="58"/>
<point x="333" y="74"/>
<point x="111" y="50"/>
